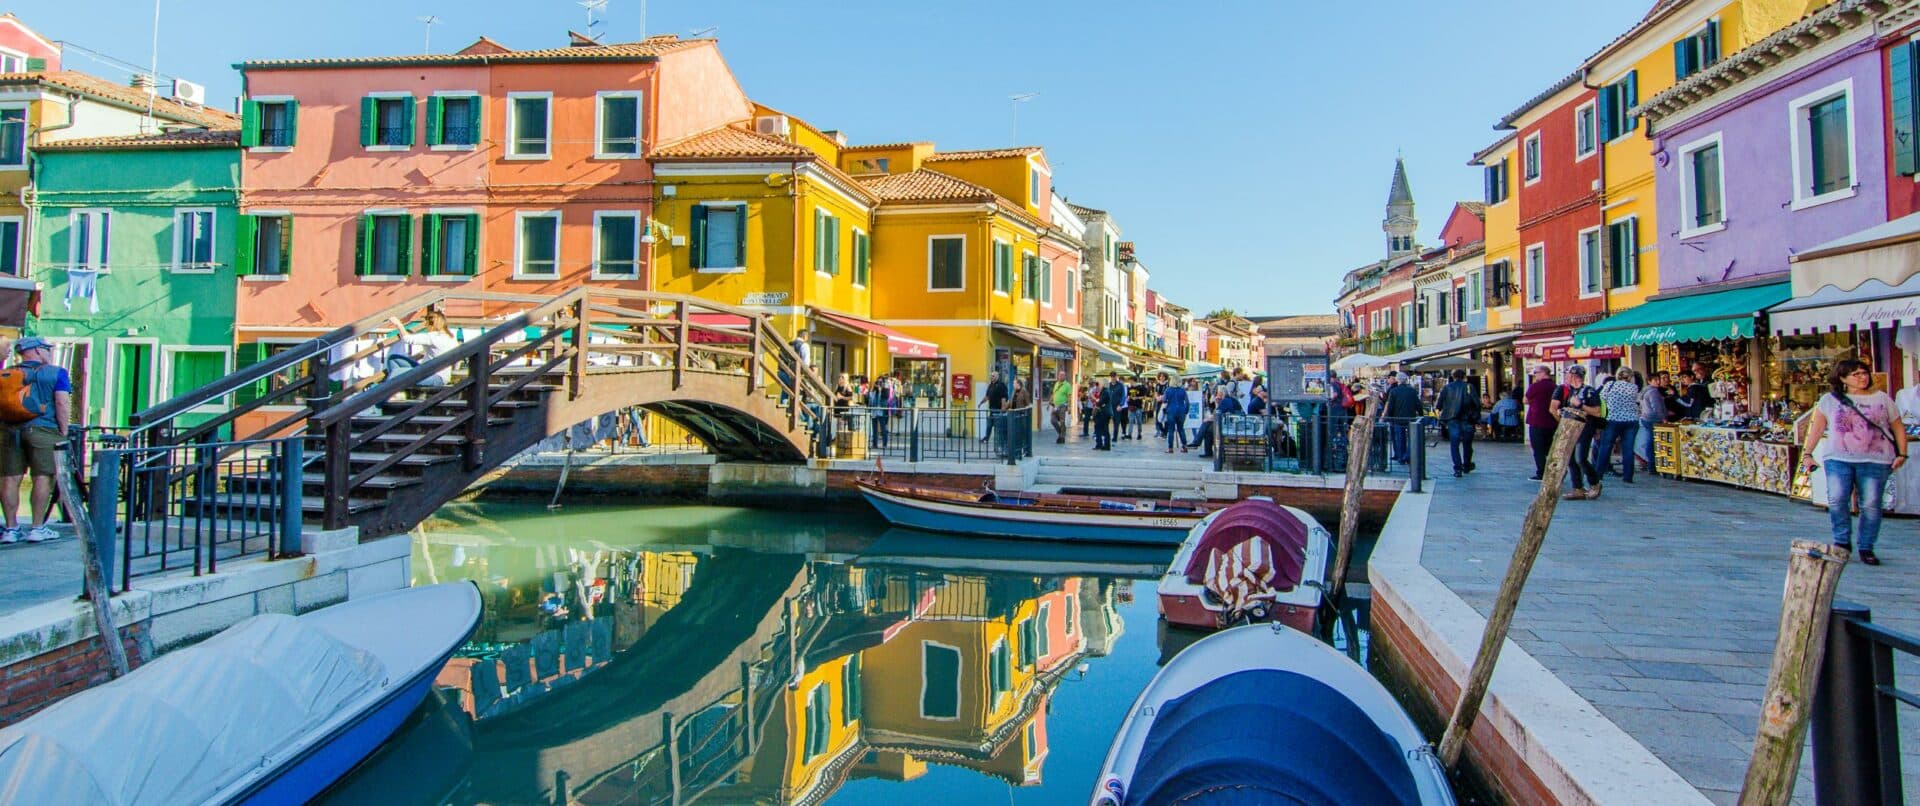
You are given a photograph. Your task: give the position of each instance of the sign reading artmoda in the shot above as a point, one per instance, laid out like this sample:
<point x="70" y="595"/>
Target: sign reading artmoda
<point x="1863" y="315"/>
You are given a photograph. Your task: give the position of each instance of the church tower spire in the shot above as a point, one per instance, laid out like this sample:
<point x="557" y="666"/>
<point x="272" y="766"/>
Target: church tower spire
<point x="1400" y="223"/>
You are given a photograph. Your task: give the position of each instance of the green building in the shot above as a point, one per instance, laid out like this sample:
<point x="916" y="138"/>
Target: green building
<point x="146" y="223"/>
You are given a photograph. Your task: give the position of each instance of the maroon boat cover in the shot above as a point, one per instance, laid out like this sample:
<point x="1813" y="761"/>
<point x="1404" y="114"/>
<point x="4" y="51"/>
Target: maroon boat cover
<point x="1285" y="537"/>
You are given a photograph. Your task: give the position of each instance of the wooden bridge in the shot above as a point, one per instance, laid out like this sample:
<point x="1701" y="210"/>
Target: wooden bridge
<point x="383" y="450"/>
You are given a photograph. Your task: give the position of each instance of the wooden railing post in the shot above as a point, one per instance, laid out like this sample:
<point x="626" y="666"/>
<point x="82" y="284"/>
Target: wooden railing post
<point x="753" y="361"/>
<point x="679" y="343"/>
<point x="578" y="373"/>
<point x="479" y="389"/>
<point x="318" y="366"/>
<point x="337" y="464"/>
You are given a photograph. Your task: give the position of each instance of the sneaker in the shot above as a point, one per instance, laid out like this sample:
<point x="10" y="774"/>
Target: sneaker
<point x="10" y="535"/>
<point x="1595" y="492"/>
<point x="40" y="534"/>
<point x="1867" y="556"/>
<point x="1575" y="494"/>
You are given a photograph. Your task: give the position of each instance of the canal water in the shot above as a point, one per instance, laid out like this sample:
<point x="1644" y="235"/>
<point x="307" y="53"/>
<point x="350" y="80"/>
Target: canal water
<point x="704" y="654"/>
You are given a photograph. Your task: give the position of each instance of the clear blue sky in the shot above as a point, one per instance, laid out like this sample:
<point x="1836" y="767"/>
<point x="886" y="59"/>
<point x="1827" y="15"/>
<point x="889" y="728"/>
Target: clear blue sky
<point x="1246" y="145"/>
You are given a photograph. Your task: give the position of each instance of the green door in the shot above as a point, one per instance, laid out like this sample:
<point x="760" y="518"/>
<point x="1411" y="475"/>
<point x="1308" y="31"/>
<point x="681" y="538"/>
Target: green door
<point x="132" y="380"/>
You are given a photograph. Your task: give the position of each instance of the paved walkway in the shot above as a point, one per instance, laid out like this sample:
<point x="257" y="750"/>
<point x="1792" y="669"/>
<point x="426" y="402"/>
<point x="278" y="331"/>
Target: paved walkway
<point x="1659" y="602"/>
<point x="37" y="573"/>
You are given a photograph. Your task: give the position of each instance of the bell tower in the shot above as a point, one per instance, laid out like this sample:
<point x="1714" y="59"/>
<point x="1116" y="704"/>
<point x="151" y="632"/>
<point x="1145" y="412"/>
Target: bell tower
<point x="1400" y="223"/>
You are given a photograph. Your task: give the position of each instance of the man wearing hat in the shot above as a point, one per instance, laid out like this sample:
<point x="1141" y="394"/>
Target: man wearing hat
<point x="30" y="445"/>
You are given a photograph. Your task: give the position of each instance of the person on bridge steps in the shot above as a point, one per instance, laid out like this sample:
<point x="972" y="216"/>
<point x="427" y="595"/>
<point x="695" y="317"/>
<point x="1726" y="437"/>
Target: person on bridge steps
<point x="1460" y="412"/>
<point x="413" y="349"/>
<point x="1865" y="442"/>
<point x="29" y="438"/>
<point x="1577" y="401"/>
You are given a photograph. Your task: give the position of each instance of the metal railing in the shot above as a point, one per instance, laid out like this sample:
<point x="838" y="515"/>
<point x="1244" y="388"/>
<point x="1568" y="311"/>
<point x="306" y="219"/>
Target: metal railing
<point x="1857" y="696"/>
<point x="927" y="434"/>
<point x="169" y="508"/>
<point x="1315" y="443"/>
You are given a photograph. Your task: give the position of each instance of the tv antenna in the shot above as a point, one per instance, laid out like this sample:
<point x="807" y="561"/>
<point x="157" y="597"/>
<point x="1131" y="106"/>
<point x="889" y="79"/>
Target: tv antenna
<point x="700" y="32"/>
<point x="429" y="21"/>
<point x="1013" y="108"/>
<point x="593" y="7"/>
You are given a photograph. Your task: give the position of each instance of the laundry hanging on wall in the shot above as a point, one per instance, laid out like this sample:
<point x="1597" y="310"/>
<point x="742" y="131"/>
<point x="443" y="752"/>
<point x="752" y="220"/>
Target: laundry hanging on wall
<point x="82" y="284"/>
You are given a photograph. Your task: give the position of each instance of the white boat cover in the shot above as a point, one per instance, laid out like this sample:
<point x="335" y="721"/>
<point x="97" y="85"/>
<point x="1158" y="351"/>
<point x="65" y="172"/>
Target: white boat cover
<point x="179" y="729"/>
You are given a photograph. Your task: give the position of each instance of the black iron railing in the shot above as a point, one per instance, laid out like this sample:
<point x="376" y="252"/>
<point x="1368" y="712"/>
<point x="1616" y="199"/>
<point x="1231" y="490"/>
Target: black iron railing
<point x="927" y="434"/>
<point x="1312" y="442"/>
<point x="170" y="508"/>
<point x="1856" y="725"/>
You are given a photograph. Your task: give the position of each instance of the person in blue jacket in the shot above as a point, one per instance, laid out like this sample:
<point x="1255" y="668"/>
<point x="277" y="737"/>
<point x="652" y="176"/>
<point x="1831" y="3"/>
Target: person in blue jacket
<point x="1173" y="401"/>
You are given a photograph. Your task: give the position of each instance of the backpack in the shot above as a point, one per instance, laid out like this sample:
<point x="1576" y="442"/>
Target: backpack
<point x="17" y="405"/>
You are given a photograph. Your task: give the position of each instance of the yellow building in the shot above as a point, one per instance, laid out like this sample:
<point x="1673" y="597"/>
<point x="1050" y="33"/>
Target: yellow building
<point x="1497" y="165"/>
<point x="957" y="262"/>
<point x="1673" y="41"/>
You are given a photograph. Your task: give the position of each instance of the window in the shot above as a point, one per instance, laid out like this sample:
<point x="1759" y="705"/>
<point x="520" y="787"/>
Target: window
<point x="1536" y="274"/>
<point x="1530" y="159"/>
<point x="1496" y="182"/>
<point x="1033" y="186"/>
<point x="619" y="125"/>
<point x="1460" y="304"/>
<point x="862" y="258"/>
<point x="1420" y="309"/>
<point x="1702" y="197"/>
<point x="1903" y="76"/>
<point x="268" y="123"/>
<point x="616" y="245"/>
<point x="265" y="245"/>
<point x="386" y="244"/>
<point x="452" y="246"/>
<point x="1823" y="150"/>
<point x="193" y="239"/>
<point x="1002" y="267"/>
<point x="826" y="242"/>
<point x="453" y="120"/>
<point x="1697" y="52"/>
<point x="1614" y="101"/>
<point x="386" y="121"/>
<point x="11" y="62"/>
<point x="528" y="120"/>
<point x="191" y="368"/>
<point x="1109" y="237"/>
<point x="815" y="740"/>
<point x="1040" y="628"/>
<point x="850" y="694"/>
<point x="538" y="252"/>
<point x="999" y="669"/>
<point x="1623" y="253"/>
<point x="719" y="237"/>
<point x="13" y="137"/>
<point x="1030" y="276"/>
<point x="1073" y="288"/>
<point x="1440" y="308"/>
<point x="1585" y="131"/>
<point x="939" y="681"/>
<point x="1590" y="261"/>
<point x="1476" y="291"/>
<point x="89" y="239"/>
<point x="10" y="228"/>
<point x="1028" y="643"/>
<point x="1046" y="283"/>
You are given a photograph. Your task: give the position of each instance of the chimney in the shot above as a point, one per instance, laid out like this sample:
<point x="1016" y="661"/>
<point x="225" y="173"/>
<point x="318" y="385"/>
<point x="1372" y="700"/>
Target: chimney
<point x="144" y="83"/>
<point x="575" y="39"/>
<point x="838" y="136"/>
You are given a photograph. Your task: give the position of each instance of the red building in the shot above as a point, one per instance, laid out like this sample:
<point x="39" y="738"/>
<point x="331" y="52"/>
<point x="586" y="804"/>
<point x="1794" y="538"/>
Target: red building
<point x="1560" y="277"/>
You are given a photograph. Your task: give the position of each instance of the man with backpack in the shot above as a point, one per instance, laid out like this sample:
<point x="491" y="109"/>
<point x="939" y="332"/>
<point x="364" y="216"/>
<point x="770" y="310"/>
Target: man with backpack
<point x="35" y="401"/>
<point x="1460" y="411"/>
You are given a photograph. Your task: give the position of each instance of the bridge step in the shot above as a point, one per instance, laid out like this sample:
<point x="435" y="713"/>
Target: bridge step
<point x="422" y="421"/>
<point x="418" y="460"/>
<point x="314" y="505"/>
<point x="381" y="481"/>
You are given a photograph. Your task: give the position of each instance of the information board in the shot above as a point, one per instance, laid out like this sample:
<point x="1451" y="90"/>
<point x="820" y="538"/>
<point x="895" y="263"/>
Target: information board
<point x="1296" y="378"/>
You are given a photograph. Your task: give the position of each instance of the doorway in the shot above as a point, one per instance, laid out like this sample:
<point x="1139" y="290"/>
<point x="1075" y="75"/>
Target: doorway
<point x="132" y="382"/>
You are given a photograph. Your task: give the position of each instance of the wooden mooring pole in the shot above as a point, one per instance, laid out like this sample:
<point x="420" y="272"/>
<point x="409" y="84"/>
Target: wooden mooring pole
<point x="1533" y="532"/>
<point x="99" y="590"/>
<point x="1359" y="442"/>
<point x="1813" y="573"/>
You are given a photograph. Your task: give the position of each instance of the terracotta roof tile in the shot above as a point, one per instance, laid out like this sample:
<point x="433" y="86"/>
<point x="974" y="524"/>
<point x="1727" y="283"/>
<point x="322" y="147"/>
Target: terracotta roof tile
<point x="180" y="138"/>
<point x="1084" y="210"/>
<point x="926" y="186"/>
<point x="1478" y="208"/>
<point x="883" y="146"/>
<point x="730" y="143"/>
<point x="122" y="95"/>
<point x="984" y="154"/>
<point x="651" y="48"/>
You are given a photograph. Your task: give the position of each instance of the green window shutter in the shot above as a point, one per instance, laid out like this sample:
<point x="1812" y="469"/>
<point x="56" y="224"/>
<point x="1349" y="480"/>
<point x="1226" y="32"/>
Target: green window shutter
<point x="1710" y="43"/>
<point x="286" y="245"/>
<point x="1604" y="106"/>
<point x="739" y="236"/>
<point x="470" y="264"/>
<point x="293" y="122"/>
<point x="35" y="65"/>
<point x="406" y="114"/>
<point x="1682" y="56"/>
<point x="1904" y="85"/>
<point x="436" y="107"/>
<point x="430" y="245"/>
<point x="1627" y="121"/>
<point x="406" y="245"/>
<point x="363" y="247"/>
<point x="697" y="241"/>
<point x="833" y="238"/>
<point x="369" y="120"/>
<point x="243" y="246"/>
<point x="249" y="124"/>
<point x="474" y="108"/>
<point x="819" y="241"/>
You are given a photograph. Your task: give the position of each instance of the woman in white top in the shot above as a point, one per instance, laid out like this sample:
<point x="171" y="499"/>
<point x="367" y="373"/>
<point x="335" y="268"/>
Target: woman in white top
<point x="1865" y="444"/>
<point x="434" y="340"/>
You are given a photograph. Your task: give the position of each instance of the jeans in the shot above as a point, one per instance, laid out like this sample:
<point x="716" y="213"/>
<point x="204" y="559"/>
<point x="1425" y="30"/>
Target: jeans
<point x="1102" y="433"/>
<point x="1176" y="428"/>
<point x="1398" y="430"/>
<point x="1619" y="432"/>
<point x="995" y="422"/>
<point x="878" y="424"/>
<point x="1843" y="479"/>
<point x="1540" y="438"/>
<point x="1460" y="443"/>
<point x="1643" y="446"/>
<point x="1204" y="438"/>
<point x="1580" y="468"/>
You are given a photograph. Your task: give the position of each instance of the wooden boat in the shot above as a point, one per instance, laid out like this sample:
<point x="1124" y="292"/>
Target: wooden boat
<point x="1263" y="714"/>
<point x="1255" y="561"/>
<point x="1044" y="516"/>
<point x="273" y="710"/>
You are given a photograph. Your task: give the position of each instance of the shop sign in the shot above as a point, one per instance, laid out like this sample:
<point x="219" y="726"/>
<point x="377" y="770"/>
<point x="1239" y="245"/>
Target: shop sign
<point x="1296" y="378"/>
<point x="1061" y="353"/>
<point x="1555" y="352"/>
<point x="764" y="298"/>
<point x="1653" y="335"/>
<point x="962" y="384"/>
<point x="1605" y="352"/>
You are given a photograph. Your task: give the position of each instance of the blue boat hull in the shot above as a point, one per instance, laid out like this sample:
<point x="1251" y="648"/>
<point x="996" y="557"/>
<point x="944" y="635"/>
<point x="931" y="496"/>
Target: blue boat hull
<point x="305" y="778"/>
<point x="968" y="524"/>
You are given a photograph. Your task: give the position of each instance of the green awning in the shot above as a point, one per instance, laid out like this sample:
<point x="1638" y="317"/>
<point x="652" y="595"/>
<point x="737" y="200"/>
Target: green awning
<point x="1716" y="315"/>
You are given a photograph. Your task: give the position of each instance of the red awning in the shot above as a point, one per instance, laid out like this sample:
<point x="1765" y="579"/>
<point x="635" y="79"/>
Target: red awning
<point x="721" y="320"/>
<point x="898" y="343"/>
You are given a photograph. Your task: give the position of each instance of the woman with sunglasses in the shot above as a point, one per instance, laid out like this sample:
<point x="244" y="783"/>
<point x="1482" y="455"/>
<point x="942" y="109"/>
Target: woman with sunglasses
<point x="1865" y="443"/>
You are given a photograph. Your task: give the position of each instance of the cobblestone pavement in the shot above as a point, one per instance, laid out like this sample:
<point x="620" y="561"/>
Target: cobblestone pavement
<point x="1660" y="601"/>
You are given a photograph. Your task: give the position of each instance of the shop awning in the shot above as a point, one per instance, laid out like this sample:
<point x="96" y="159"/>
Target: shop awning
<point x="1087" y="342"/>
<point x="726" y="321"/>
<point x="1048" y="345"/>
<point x="1725" y="314"/>
<point x="1454" y="347"/>
<point x="1872" y="304"/>
<point x="1203" y="368"/>
<point x="898" y="343"/>
<point x="1887" y="252"/>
